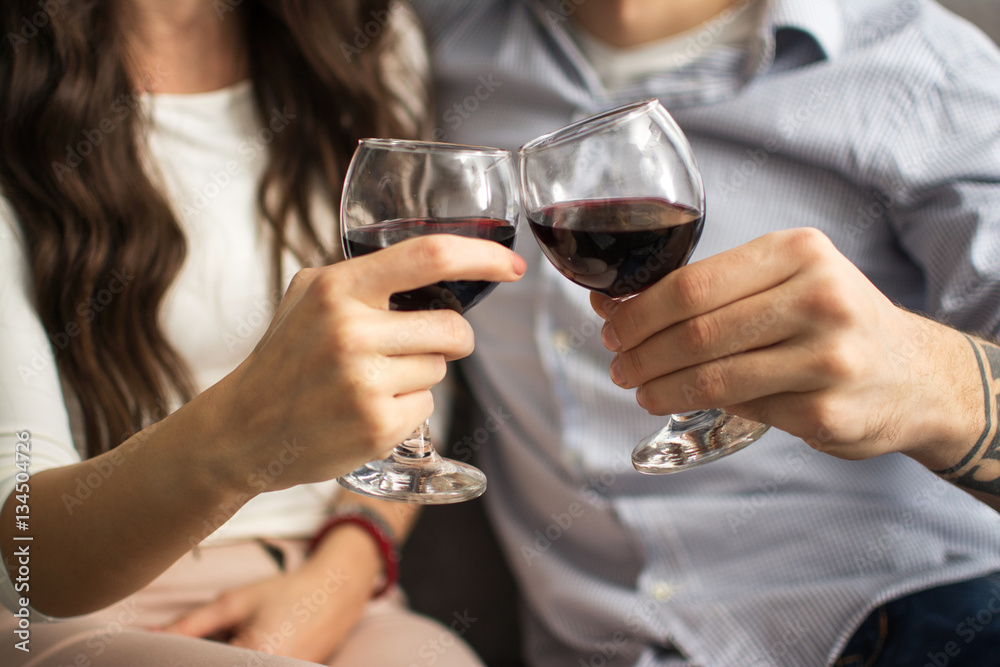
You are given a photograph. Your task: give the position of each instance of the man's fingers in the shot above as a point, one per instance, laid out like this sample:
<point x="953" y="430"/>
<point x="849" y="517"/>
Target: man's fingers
<point x="430" y="259"/>
<point x="825" y="420"/>
<point x="710" y="284"/>
<point x="729" y="381"/>
<point x="756" y="322"/>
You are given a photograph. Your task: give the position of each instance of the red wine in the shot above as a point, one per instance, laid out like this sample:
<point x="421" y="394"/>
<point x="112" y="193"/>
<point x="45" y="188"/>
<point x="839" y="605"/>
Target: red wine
<point x="617" y="246"/>
<point x="457" y="295"/>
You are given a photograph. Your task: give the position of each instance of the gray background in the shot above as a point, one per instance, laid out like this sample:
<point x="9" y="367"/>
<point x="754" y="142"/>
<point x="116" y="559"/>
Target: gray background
<point x="984" y="13"/>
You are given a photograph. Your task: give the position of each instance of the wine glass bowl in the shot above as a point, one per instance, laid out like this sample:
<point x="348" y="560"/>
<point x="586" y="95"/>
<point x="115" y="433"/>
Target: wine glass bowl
<point x="395" y="190"/>
<point x="616" y="202"/>
<point x="617" y="247"/>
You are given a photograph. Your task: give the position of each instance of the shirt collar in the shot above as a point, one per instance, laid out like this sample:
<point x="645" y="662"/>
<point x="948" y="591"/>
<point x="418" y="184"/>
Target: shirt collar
<point x="823" y="20"/>
<point x="819" y="21"/>
<point x="792" y="33"/>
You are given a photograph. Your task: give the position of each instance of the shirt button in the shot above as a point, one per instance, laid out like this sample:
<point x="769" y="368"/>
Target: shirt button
<point x="560" y="340"/>
<point x="661" y="591"/>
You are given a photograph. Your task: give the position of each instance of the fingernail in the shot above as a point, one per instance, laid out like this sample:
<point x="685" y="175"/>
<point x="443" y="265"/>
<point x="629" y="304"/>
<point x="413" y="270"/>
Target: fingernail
<point x="518" y="263"/>
<point x="610" y="338"/>
<point x="616" y="373"/>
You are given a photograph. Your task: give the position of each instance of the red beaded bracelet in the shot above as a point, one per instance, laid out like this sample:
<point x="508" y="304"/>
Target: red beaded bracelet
<point x="379" y="531"/>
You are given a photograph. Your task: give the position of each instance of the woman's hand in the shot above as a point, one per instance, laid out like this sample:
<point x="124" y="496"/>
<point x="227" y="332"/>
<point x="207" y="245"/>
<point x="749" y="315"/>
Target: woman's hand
<point x="338" y="378"/>
<point x="305" y="614"/>
<point x="786" y="331"/>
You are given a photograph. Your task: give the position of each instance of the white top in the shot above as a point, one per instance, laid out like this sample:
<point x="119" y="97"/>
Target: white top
<point x="210" y="150"/>
<point x="618" y="67"/>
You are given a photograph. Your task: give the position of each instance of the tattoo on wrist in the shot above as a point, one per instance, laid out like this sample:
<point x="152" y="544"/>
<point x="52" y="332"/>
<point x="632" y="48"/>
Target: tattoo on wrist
<point x="979" y="469"/>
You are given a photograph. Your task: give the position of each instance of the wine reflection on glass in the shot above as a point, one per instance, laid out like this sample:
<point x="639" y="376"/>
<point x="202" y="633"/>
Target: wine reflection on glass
<point x="395" y="190"/>
<point x="616" y="202"/>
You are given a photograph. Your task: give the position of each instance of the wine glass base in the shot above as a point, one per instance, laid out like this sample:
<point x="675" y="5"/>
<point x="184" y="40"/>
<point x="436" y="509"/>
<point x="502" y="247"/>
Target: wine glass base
<point x="690" y="441"/>
<point x="437" y="481"/>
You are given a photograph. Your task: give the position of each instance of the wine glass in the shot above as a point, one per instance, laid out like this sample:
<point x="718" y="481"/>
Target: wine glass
<point x="395" y="190"/>
<point x="616" y="202"/>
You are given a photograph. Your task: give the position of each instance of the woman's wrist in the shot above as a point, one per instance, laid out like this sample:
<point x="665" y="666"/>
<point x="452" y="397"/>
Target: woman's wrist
<point x="217" y="415"/>
<point x="370" y="527"/>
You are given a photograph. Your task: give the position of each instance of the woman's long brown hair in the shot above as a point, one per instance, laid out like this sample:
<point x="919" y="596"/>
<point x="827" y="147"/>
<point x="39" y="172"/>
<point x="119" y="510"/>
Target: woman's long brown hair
<point x="102" y="240"/>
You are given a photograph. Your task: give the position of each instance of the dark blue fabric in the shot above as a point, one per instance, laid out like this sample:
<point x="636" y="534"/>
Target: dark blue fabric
<point x="950" y="626"/>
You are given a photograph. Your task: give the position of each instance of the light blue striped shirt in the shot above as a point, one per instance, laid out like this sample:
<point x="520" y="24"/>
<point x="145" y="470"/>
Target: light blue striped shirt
<point x="875" y="121"/>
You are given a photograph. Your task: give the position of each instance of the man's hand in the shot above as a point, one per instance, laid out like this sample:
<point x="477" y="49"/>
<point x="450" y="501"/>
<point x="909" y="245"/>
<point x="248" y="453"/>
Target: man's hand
<point x="787" y="331"/>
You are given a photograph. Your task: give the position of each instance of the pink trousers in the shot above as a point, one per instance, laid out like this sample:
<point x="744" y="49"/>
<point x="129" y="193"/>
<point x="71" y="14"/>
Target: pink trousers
<point x="388" y="635"/>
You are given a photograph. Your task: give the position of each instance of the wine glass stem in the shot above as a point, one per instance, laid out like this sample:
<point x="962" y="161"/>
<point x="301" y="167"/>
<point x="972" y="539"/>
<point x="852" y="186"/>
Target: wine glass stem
<point x="690" y="418"/>
<point x="417" y="448"/>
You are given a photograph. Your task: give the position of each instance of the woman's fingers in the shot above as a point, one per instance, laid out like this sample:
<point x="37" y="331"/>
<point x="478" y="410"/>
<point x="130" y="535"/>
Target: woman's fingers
<point x="340" y="373"/>
<point x="424" y="332"/>
<point x="395" y="376"/>
<point x="220" y="615"/>
<point x="426" y="260"/>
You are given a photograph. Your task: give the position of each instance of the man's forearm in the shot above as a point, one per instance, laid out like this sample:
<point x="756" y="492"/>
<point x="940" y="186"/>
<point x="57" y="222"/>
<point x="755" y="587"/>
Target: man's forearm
<point x="979" y="468"/>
